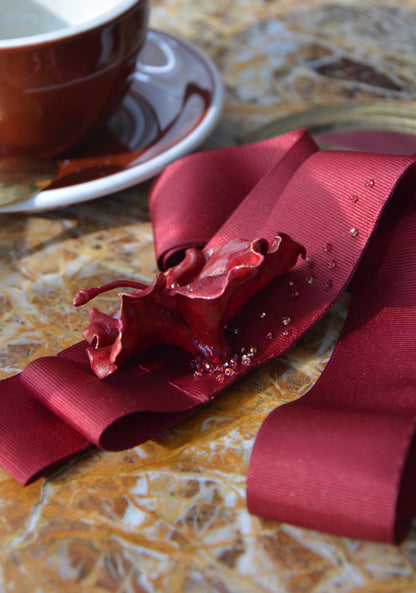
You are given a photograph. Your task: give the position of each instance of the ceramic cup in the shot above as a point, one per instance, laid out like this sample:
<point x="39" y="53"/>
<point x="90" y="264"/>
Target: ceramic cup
<point x="65" y="66"/>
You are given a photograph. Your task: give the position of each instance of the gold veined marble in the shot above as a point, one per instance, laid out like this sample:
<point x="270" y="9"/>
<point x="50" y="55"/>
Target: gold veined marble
<point x="171" y="515"/>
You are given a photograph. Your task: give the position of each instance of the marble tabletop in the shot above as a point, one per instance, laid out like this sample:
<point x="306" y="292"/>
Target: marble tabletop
<point x="171" y="515"/>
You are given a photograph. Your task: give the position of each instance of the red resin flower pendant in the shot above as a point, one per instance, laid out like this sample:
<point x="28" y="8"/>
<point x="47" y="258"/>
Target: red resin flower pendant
<point x="188" y="306"/>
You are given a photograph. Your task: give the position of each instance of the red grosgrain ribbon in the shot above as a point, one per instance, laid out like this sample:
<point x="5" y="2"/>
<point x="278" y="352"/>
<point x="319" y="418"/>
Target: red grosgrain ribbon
<point x="340" y="459"/>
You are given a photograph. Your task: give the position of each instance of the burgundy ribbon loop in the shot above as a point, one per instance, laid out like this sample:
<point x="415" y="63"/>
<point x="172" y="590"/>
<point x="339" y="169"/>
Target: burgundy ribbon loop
<point x="340" y="459"/>
<point x="332" y="469"/>
<point x="196" y="197"/>
<point x="101" y="410"/>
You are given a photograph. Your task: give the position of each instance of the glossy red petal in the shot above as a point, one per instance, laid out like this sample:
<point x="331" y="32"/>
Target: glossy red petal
<point x="102" y="329"/>
<point x="232" y="275"/>
<point x="187" y="270"/>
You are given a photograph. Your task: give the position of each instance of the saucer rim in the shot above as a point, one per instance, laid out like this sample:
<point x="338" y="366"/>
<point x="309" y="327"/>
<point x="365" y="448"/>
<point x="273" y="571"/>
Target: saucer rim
<point x="50" y="199"/>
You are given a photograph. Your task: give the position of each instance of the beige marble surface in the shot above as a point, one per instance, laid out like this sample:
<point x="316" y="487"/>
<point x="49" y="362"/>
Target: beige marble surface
<point x="170" y="515"/>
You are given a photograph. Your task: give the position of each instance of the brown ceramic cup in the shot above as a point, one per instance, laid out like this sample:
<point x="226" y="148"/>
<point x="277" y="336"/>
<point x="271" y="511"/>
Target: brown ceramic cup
<point x="65" y="66"/>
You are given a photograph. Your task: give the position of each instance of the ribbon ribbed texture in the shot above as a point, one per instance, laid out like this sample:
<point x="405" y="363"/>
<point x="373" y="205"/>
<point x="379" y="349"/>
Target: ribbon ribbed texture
<point x="340" y="459"/>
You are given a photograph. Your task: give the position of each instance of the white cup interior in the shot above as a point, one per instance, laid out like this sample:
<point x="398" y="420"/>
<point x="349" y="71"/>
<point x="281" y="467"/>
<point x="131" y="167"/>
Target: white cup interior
<point x="30" y="21"/>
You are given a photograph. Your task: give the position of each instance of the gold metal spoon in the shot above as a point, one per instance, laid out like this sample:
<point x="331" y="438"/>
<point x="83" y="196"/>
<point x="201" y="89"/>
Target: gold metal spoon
<point x="24" y="176"/>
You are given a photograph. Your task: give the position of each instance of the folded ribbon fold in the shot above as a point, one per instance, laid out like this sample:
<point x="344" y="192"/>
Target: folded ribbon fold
<point x="337" y="460"/>
<point x="332" y="469"/>
<point x="104" y="411"/>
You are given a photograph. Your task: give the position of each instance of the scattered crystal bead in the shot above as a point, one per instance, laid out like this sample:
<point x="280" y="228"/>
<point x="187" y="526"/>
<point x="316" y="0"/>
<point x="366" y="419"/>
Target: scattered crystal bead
<point x="286" y="320"/>
<point x="332" y="264"/>
<point x="291" y="283"/>
<point x="354" y="232"/>
<point x="327" y="283"/>
<point x="227" y="369"/>
<point x="269" y="336"/>
<point x="308" y="262"/>
<point x="287" y="333"/>
<point x="327" y="247"/>
<point x="295" y="294"/>
<point x="370" y="183"/>
<point x="309" y="279"/>
<point x="262" y="315"/>
<point x="354" y="199"/>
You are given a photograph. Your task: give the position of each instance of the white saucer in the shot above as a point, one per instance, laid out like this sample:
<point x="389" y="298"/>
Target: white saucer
<point x="175" y="101"/>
